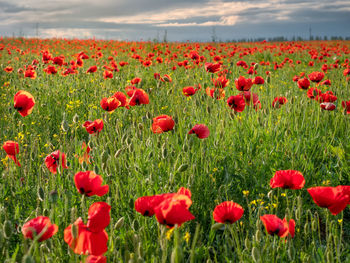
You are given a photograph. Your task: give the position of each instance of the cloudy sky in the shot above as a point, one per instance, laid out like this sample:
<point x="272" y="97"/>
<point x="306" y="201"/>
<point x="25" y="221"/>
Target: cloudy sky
<point x="197" y="20"/>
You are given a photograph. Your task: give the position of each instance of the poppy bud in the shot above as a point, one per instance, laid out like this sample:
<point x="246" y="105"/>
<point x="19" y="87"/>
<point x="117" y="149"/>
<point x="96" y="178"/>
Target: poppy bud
<point x="256" y="65"/>
<point x="74" y="231"/>
<point x="104" y="156"/>
<point x="75" y="118"/>
<point x="41" y="194"/>
<point x="255" y="254"/>
<point x="118" y="153"/>
<point x="258" y="235"/>
<point x="53" y="196"/>
<point x="28" y="259"/>
<point x="247" y="243"/>
<point x="7" y="229"/>
<point x="314" y="225"/>
<point x="329" y="256"/>
<point x="291" y="252"/>
<point x="218" y="226"/>
<point x="73" y="214"/>
<point x="182" y="168"/>
<point x="306" y="229"/>
<point x="164" y="152"/>
<point x="64" y="125"/>
<point x="119" y="223"/>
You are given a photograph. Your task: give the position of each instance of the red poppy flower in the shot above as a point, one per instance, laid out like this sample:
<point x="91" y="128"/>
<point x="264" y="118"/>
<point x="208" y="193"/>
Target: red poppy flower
<point x="174" y="211"/>
<point x="8" y="69"/>
<point x="110" y="104"/>
<point x="89" y="184"/>
<point x="236" y="103"/>
<point x="243" y="84"/>
<point x="200" y="130"/>
<point x="135" y="81"/>
<point x="92" y="69"/>
<point x="326" y="82"/>
<point x="327" y="106"/>
<point x="279" y="101"/>
<point x="36" y="226"/>
<point x="189" y="91"/>
<point x="277" y="226"/>
<point x="258" y="80"/>
<point x="50" y="70"/>
<point x="54" y="159"/>
<point x="12" y="149"/>
<point x="93" y="127"/>
<point x="288" y="179"/>
<point x="98" y="216"/>
<point x="96" y="259"/>
<point x="86" y="242"/>
<point x="162" y="123"/>
<point x="316" y="76"/>
<point x="107" y="74"/>
<point x="58" y="61"/>
<point x="221" y="82"/>
<point x="156" y="76"/>
<point x="334" y="198"/>
<point x="346" y="72"/>
<point x="24" y="102"/>
<point x="130" y="90"/>
<point x="303" y="83"/>
<point x="212" y="68"/>
<point x="327" y="97"/>
<point x="30" y="73"/>
<point x="228" y="212"/>
<point x="314" y="93"/>
<point x="122" y="98"/>
<point x="145" y="205"/>
<point x="346" y="106"/>
<point x="219" y="94"/>
<point x="139" y="97"/>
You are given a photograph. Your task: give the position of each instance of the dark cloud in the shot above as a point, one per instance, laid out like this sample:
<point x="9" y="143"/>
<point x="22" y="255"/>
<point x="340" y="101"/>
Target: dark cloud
<point x="136" y="19"/>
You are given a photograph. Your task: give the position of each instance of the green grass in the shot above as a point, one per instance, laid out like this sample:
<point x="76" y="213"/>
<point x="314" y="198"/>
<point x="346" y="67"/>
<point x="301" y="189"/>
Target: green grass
<point x="242" y="153"/>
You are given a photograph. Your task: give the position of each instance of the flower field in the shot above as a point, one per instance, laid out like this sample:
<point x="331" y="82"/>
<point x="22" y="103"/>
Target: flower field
<point x="174" y="152"/>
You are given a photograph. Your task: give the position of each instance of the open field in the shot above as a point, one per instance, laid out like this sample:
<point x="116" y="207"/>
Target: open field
<point x="273" y="123"/>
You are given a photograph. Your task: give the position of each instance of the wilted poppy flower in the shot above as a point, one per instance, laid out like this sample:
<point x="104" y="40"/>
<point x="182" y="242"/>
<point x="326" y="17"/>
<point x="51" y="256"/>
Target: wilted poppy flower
<point x="174" y="211"/>
<point x="346" y="106"/>
<point x="314" y="93"/>
<point x="139" y="97"/>
<point x="303" y="83"/>
<point x="24" y="102"/>
<point x="96" y="259"/>
<point x="189" y="91"/>
<point x="327" y="106"/>
<point x="12" y="149"/>
<point x="86" y="156"/>
<point x="86" y="242"/>
<point x="166" y="78"/>
<point x="162" y="123"/>
<point x="212" y="68"/>
<point x="258" y="80"/>
<point x="200" y="130"/>
<point x="287" y="179"/>
<point x="92" y="69"/>
<point x="89" y="184"/>
<point x="93" y="127"/>
<point x="122" y="98"/>
<point x="316" y="76"/>
<point x="54" y="159"/>
<point x="236" y="103"/>
<point x="110" y="104"/>
<point x="216" y="93"/>
<point x="334" y="198"/>
<point x="243" y="84"/>
<point x="98" y="216"/>
<point x="228" y="212"/>
<point x="36" y="226"/>
<point x="277" y="226"/>
<point x="279" y="101"/>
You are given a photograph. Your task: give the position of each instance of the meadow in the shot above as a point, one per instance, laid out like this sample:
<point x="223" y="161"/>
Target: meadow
<point x="262" y="115"/>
